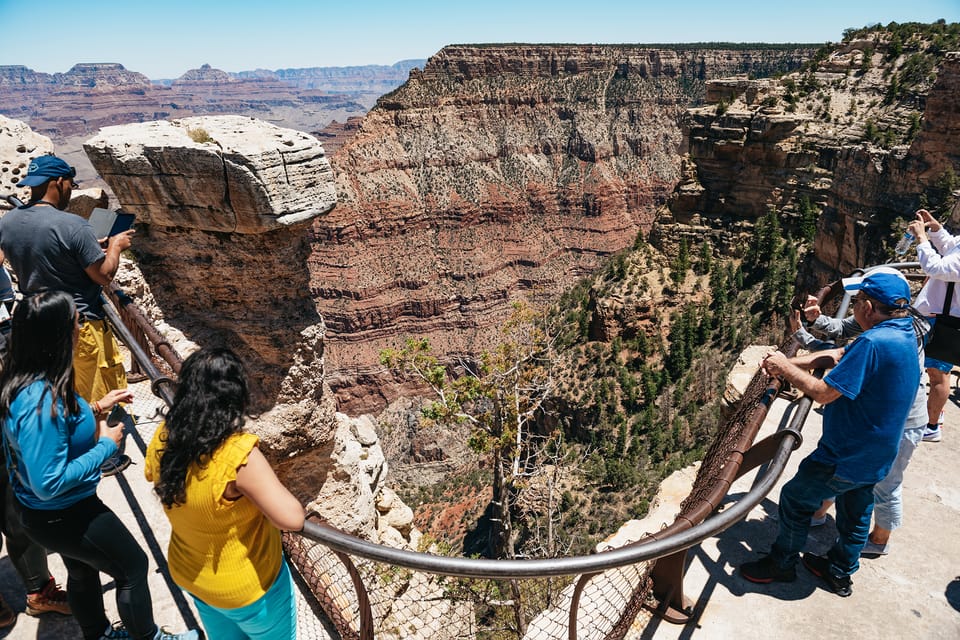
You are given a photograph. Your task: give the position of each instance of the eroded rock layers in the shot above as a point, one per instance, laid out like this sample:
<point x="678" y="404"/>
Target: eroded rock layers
<point x="498" y="172"/>
<point x="223" y="204"/>
<point x="837" y="138"/>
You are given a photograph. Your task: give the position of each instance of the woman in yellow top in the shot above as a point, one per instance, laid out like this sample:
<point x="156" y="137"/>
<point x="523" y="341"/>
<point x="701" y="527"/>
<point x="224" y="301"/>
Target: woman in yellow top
<point x="225" y="505"/>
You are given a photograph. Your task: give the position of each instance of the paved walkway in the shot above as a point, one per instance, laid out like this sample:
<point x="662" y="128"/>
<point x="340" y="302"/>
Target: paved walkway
<point x="914" y="592"/>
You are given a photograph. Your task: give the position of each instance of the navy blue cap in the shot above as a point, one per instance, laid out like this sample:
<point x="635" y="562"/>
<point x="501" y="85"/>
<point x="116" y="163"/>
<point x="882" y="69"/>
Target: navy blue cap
<point x="46" y="168"/>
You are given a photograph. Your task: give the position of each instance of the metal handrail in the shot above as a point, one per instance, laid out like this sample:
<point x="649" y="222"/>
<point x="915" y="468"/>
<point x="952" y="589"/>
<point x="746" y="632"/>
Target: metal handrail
<point x="162" y="386"/>
<point x="652" y="547"/>
<point x="534" y="568"/>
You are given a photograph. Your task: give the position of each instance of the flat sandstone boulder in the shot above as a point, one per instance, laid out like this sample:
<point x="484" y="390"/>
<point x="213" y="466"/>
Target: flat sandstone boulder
<point x="231" y="174"/>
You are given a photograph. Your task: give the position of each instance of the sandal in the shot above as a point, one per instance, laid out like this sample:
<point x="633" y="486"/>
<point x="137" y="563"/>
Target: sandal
<point x="7" y="615"/>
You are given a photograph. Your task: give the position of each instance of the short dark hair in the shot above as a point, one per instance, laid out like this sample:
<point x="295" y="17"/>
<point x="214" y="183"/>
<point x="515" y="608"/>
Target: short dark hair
<point x="888" y="310"/>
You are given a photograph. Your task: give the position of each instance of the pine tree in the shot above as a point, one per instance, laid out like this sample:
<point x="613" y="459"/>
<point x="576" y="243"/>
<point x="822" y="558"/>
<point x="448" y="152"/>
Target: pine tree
<point x="706" y="258"/>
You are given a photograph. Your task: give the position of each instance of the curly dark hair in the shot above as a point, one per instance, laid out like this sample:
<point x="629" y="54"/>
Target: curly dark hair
<point x="41" y="349"/>
<point x="209" y="406"/>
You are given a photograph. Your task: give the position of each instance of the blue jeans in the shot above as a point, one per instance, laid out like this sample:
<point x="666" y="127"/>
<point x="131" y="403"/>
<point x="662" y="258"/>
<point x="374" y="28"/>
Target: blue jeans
<point x="272" y="617"/>
<point x="802" y="496"/>
<point x="888" y="507"/>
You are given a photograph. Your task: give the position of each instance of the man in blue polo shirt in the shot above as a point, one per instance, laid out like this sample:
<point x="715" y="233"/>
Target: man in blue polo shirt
<point x="867" y="397"/>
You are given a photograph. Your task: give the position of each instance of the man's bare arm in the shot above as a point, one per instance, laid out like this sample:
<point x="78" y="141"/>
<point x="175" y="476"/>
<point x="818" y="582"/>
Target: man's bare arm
<point x="824" y="359"/>
<point x="102" y="271"/>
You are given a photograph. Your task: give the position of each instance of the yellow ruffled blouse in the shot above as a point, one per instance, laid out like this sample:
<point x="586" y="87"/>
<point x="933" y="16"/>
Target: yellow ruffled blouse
<point x="224" y="552"/>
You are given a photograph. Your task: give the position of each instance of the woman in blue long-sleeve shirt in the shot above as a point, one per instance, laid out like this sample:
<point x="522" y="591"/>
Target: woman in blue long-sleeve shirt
<point x="55" y="443"/>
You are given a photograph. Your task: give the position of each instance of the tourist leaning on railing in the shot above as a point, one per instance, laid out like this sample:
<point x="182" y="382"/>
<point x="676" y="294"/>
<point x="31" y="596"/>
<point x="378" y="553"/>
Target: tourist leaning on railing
<point x="220" y="493"/>
<point x="55" y="443"/>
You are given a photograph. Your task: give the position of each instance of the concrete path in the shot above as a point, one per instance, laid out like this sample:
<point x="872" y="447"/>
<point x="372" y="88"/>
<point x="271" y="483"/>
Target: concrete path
<point x="914" y="592"/>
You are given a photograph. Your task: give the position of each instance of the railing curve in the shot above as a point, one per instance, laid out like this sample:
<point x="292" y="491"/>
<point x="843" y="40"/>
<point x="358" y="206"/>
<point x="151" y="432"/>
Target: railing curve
<point x="697" y="521"/>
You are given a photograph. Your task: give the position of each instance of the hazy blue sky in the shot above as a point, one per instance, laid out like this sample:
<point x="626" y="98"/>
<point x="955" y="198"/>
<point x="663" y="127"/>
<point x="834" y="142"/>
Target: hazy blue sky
<point x="166" y="38"/>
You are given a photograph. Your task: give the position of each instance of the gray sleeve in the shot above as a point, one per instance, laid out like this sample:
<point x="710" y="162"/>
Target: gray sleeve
<point x="806" y="340"/>
<point x="85" y="245"/>
<point x="837" y="328"/>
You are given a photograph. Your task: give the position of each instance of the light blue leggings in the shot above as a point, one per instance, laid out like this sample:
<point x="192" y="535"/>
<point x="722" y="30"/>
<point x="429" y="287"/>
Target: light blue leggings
<point x="272" y="617"/>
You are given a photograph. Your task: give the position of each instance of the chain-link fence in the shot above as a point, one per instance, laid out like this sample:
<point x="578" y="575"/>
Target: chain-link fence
<point x="369" y="590"/>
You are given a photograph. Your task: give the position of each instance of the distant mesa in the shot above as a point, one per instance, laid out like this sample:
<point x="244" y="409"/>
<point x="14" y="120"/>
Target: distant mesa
<point x="205" y="74"/>
<point x="76" y="104"/>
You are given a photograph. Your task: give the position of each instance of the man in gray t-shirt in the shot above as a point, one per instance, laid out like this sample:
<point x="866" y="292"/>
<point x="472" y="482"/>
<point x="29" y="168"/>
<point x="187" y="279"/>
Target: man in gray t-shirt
<point x="52" y="249"/>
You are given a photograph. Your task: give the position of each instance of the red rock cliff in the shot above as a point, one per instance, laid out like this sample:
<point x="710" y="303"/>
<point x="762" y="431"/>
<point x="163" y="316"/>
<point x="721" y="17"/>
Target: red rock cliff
<point x="498" y="172"/>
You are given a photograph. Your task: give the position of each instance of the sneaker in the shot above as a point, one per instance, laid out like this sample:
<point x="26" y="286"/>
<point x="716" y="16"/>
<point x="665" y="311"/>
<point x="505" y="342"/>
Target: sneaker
<point x="115" y="632"/>
<point x="931" y="435"/>
<point x="114" y="465"/>
<point x="818" y="522"/>
<point x="765" y="571"/>
<point x="163" y="634"/>
<point x="874" y="549"/>
<point x="49" y="599"/>
<point x="820" y="567"/>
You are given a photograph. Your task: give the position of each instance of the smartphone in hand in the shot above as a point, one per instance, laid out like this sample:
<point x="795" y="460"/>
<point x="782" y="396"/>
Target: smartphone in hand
<point x="115" y="416"/>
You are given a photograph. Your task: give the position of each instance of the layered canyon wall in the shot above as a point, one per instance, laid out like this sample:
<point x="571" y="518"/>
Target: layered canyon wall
<point x="497" y="173"/>
<point x="847" y="137"/>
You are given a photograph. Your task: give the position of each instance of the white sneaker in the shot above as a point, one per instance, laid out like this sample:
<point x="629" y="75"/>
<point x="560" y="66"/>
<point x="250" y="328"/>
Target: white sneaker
<point x="931" y="435"/>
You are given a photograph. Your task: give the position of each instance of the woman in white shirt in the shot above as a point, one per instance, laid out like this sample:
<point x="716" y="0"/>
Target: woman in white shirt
<point x="939" y="256"/>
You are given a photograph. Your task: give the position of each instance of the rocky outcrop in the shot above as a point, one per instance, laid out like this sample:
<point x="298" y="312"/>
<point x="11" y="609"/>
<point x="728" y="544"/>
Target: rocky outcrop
<point x="336" y="134"/>
<point x="849" y="137"/>
<point x="18" y="145"/>
<point x="223" y="205"/>
<point x="498" y="172"/>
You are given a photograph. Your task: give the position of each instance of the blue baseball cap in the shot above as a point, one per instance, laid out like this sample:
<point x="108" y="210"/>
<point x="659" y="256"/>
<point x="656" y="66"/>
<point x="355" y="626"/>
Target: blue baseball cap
<point x="892" y="289"/>
<point x="46" y="168"/>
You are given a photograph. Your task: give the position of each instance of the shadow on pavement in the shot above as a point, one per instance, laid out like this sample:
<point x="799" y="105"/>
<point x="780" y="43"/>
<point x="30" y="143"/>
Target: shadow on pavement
<point x="952" y="593"/>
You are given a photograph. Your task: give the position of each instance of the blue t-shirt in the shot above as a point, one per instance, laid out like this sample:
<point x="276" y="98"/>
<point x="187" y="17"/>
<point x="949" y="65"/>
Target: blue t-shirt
<point x="53" y="463"/>
<point x="51" y="249"/>
<point x="877" y="378"/>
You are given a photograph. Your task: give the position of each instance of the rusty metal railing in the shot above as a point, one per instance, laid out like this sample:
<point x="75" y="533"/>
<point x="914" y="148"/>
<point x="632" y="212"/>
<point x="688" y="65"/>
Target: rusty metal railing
<point x="322" y="552"/>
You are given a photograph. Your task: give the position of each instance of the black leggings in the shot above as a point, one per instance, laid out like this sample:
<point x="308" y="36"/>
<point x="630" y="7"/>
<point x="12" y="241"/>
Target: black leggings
<point x="28" y="558"/>
<point x="91" y="538"/>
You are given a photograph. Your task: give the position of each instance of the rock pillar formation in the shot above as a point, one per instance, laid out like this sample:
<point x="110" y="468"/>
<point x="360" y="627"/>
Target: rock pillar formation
<point x="222" y="206"/>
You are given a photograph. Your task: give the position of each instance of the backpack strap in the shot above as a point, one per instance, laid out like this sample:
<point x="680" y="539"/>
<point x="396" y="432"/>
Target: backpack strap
<point x="948" y="299"/>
